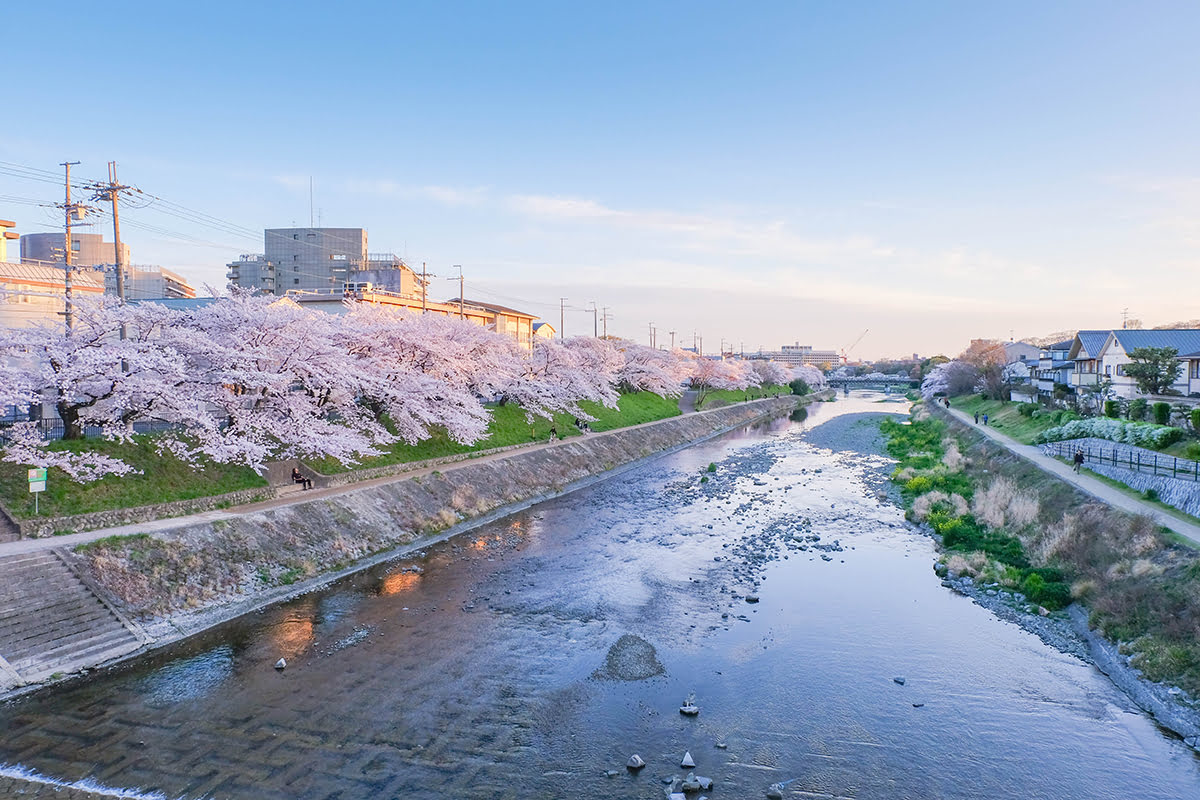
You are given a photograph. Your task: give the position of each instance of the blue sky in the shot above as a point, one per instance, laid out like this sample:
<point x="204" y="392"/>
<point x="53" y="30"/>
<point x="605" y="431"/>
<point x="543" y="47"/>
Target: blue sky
<point x="762" y="173"/>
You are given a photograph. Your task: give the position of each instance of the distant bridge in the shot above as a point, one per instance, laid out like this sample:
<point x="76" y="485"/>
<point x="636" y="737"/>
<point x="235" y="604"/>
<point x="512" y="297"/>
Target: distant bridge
<point x="873" y="382"/>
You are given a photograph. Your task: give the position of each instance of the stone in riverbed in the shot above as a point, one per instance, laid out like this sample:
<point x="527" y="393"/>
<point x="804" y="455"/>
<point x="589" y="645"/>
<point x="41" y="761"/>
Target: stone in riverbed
<point x="635" y="762"/>
<point x="280" y="664"/>
<point x="775" y="791"/>
<point x="751" y="598"/>
<point x="631" y="658"/>
<point x="687" y="761"/>
<point x="899" y="679"/>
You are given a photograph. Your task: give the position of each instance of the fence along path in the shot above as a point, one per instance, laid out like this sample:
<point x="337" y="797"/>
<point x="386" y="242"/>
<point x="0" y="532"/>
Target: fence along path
<point x="1133" y="458"/>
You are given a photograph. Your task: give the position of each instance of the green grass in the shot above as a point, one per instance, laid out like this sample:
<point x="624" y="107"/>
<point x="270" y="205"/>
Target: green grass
<point x="163" y="479"/>
<point x="1004" y="417"/>
<point x="509" y="427"/>
<point x="727" y="397"/>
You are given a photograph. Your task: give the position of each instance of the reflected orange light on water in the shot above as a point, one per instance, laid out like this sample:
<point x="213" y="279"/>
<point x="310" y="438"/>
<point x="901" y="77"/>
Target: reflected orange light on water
<point x="398" y="582"/>
<point x="291" y="637"/>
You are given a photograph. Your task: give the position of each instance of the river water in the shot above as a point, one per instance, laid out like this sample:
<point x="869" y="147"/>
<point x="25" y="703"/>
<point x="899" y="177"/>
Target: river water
<point x="527" y="658"/>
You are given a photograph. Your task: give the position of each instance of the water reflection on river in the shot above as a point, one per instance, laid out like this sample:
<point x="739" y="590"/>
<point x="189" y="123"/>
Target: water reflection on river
<point x="472" y="676"/>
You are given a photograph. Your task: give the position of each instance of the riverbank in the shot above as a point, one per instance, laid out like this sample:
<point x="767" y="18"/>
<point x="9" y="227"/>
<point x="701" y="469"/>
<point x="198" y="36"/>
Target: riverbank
<point x="180" y="577"/>
<point x="495" y="664"/>
<point x="1126" y="574"/>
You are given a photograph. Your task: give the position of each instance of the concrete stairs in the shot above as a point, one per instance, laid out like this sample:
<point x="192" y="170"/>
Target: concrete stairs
<point x="52" y="622"/>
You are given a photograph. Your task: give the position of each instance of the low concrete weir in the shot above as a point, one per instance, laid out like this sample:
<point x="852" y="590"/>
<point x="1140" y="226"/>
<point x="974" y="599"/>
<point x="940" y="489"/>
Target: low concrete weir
<point x="336" y="534"/>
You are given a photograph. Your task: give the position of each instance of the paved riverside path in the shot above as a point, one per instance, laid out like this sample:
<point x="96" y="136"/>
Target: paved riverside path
<point x="67" y="541"/>
<point x="1086" y="483"/>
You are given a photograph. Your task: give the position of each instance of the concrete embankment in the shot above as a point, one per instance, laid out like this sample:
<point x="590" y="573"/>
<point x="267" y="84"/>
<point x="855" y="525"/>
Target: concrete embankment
<point x="179" y="578"/>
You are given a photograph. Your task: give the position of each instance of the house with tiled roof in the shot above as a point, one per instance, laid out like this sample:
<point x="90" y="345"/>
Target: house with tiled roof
<point x="1085" y="356"/>
<point x="1113" y="357"/>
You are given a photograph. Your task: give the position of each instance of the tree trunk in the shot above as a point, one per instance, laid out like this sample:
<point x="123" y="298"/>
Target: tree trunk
<point x="70" y="419"/>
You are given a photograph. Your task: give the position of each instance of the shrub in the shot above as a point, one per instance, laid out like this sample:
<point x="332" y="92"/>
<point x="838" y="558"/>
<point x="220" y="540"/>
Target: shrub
<point x="1027" y="409"/>
<point x="800" y="387"/>
<point x="1196" y="419"/>
<point x="1112" y="408"/>
<point x="1162" y="413"/>
<point x="1137" y="409"/>
<point x="919" y="485"/>
<point x="1192" y="451"/>
<point x="1142" y="434"/>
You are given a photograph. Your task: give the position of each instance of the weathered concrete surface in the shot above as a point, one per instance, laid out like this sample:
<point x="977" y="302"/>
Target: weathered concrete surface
<point x="181" y="576"/>
<point x="52" y="622"/>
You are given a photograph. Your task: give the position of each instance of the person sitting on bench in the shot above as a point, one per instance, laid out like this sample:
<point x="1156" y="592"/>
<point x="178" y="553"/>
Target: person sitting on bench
<point x="298" y="478"/>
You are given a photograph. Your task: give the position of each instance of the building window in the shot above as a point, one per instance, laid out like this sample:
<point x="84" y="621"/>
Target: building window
<point x="1107" y="370"/>
<point x="295" y="258"/>
<point x="75" y="245"/>
<point x="295" y="281"/>
<point x="296" y="236"/>
<point x="1196" y="369"/>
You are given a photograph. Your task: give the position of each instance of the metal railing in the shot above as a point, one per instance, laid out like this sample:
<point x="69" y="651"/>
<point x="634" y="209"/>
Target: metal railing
<point x="53" y="429"/>
<point x="1132" y="458"/>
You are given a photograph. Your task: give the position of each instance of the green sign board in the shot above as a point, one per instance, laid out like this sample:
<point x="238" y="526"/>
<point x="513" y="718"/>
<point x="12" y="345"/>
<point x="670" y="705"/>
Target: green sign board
<point x="37" y="480"/>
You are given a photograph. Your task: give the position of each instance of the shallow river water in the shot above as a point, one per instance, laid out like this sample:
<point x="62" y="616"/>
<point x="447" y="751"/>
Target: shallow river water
<point x="515" y="661"/>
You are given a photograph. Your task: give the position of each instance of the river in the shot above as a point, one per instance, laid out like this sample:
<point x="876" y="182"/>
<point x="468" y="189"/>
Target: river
<point x="527" y="658"/>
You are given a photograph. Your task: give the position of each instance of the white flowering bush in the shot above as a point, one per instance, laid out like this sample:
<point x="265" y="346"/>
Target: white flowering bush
<point x="1141" y="434"/>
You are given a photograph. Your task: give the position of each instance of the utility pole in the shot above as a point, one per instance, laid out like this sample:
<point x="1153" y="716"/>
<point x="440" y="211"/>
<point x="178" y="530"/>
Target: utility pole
<point x="701" y="353"/>
<point x="605" y="317"/>
<point x="111" y="192"/>
<point x="562" y="316"/>
<point x="424" y="288"/>
<point x="68" y="211"/>
<point x="460" y="291"/>
<point x="672" y="340"/>
<point x="595" y="321"/>
<point x="651" y="334"/>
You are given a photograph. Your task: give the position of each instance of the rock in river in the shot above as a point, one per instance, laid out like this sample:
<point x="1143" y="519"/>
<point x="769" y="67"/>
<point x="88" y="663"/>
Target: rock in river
<point x="687" y="761"/>
<point x="635" y="762"/>
<point x="631" y="658"/>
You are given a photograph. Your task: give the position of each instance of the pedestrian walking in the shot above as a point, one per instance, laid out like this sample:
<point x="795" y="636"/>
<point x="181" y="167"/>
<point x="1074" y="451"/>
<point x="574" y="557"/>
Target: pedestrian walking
<point x="1078" y="458"/>
<point x="976" y="417"/>
<point x="985" y="420"/>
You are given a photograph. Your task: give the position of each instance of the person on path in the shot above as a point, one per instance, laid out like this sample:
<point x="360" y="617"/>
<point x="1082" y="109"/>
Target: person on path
<point x="553" y="433"/>
<point x="985" y="420"/>
<point x="976" y="417"/>
<point x="1078" y="459"/>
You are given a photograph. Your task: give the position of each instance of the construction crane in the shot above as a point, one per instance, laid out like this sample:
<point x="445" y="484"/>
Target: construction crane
<point x="847" y="350"/>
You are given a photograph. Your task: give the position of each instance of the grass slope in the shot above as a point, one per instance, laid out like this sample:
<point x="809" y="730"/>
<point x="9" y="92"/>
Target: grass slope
<point x="163" y="479"/>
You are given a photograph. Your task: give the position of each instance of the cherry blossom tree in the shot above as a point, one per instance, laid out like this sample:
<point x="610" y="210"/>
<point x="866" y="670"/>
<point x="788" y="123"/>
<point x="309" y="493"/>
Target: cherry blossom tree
<point x="553" y="379"/>
<point x="424" y="371"/>
<point x="771" y="373"/>
<point x="715" y="374"/>
<point x="647" y="369"/>
<point x="951" y="378"/>
<point x="810" y="375"/>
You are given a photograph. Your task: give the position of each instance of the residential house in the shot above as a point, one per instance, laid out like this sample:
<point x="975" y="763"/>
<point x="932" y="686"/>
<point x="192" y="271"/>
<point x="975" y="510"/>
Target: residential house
<point x="1020" y="360"/>
<point x="544" y="330"/>
<point x="1113" y="357"/>
<point x="1085" y="355"/>
<point x="1053" y="368"/>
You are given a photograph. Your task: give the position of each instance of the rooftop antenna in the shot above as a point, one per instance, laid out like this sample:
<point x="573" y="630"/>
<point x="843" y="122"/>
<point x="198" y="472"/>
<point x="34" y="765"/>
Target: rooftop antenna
<point x="1124" y="318"/>
<point x="310" y="201"/>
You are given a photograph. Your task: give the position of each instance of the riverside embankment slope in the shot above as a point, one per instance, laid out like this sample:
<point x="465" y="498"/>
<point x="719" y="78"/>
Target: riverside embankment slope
<point x="165" y="580"/>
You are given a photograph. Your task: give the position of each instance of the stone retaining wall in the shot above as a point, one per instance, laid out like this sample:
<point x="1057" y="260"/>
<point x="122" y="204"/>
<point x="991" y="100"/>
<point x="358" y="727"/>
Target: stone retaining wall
<point x="50" y="526"/>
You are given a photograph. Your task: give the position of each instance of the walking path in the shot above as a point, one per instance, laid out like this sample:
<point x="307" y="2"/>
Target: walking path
<point x="1086" y="483"/>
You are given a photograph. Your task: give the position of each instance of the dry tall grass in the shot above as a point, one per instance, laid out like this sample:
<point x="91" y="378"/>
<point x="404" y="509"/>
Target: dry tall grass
<point x="1003" y="505"/>
<point x="929" y="501"/>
